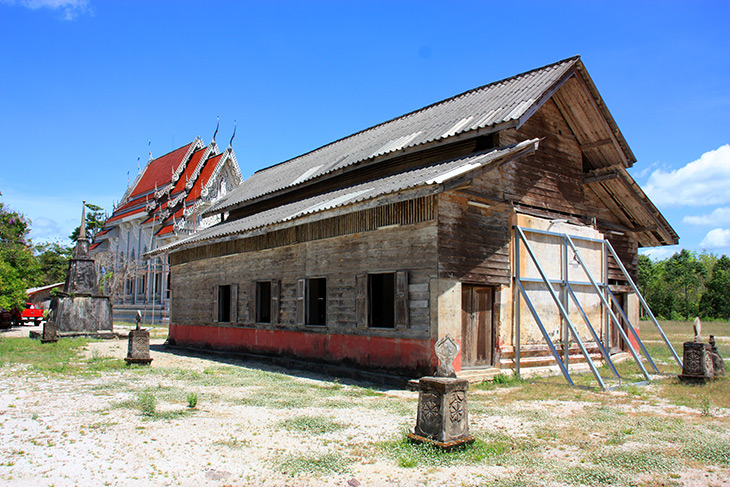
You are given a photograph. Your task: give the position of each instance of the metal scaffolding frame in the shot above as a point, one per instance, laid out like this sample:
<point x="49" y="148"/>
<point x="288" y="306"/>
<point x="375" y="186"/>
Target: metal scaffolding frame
<point x="601" y="289"/>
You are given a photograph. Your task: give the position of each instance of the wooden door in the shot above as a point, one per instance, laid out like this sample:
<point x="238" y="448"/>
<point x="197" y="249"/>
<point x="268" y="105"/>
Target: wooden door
<point x="477" y="325"/>
<point x="617" y="342"/>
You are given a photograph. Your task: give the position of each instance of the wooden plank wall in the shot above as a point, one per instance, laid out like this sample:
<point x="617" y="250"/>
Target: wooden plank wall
<point x="553" y="177"/>
<point x="410" y="248"/>
<point x="473" y="241"/>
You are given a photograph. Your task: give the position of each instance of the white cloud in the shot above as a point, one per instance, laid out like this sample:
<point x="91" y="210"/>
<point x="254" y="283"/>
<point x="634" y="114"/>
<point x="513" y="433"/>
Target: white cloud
<point x="720" y="216"/>
<point x="699" y="183"/>
<point x="660" y="253"/>
<point x="719" y="237"/>
<point x="70" y="8"/>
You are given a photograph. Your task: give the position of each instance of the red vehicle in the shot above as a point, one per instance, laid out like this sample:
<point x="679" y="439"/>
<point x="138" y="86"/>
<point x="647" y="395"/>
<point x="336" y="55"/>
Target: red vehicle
<point x="31" y="314"/>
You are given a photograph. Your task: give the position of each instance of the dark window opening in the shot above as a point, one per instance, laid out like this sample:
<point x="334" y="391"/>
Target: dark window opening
<point x="224" y="304"/>
<point x="381" y="291"/>
<point x="263" y="302"/>
<point x="486" y="142"/>
<point x="317" y="302"/>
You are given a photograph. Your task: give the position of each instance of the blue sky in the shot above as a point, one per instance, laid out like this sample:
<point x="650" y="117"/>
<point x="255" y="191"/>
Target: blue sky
<point x="87" y="84"/>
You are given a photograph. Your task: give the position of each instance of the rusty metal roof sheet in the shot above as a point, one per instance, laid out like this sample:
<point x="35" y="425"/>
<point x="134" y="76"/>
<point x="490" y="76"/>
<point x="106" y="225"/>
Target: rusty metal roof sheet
<point x="433" y="175"/>
<point x="487" y="106"/>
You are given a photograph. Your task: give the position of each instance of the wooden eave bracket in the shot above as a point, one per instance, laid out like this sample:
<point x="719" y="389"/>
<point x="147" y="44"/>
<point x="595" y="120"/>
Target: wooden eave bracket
<point x="599" y="176"/>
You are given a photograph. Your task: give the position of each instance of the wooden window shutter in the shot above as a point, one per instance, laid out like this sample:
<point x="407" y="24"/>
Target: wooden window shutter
<point x="274" y="301"/>
<point x="234" y="303"/>
<point x="401" y="299"/>
<point x="301" y="285"/>
<point x="215" y="304"/>
<point x="361" y="289"/>
<point x="251" y="308"/>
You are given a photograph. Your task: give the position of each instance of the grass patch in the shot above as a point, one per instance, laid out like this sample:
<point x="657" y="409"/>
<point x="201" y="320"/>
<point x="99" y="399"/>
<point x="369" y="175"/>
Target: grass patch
<point x="592" y="475"/>
<point x="313" y="464"/>
<point x="500" y="380"/>
<point x="707" y="448"/>
<point x="313" y="425"/>
<point x="59" y="357"/>
<point x="496" y="448"/>
<point x="635" y="460"/>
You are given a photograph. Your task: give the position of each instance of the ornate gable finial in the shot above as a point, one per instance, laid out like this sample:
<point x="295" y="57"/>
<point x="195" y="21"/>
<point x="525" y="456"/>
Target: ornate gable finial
<point x="149" y="148"/>
<point x="230" y="144"/>
<point x="218" y="124"/>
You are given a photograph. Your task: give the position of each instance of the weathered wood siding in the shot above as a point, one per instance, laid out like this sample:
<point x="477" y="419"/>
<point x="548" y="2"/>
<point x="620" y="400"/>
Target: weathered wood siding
<point x="551" y="181"/>
<point x="553" y="177"/>
<point x="473" y="241"/>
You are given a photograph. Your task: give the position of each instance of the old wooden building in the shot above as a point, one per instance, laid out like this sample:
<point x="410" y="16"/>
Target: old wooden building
<point x="366" y="251"/>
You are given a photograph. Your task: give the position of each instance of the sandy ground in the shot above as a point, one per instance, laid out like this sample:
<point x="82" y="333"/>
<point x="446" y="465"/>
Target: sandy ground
<point x="65" y="431"/>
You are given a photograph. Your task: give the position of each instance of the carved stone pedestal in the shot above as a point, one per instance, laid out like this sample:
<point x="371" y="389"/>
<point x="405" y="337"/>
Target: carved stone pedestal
<point x="138" y="351"/>
<point x="697" y="363"/>
<point x="443" y="418"/>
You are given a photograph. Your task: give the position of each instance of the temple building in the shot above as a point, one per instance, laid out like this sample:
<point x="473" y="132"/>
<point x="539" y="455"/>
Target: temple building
<point x="504" y="217"/>
<point x="164" y="204"/>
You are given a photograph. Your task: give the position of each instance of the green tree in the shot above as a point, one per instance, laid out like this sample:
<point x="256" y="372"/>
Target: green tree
<point x="652" y="282"/>
<point x="715" y="302"/>
<point x="94" y="222"/>
<point x="53" y="261"/>
<point x="686" y="276"/>
<point x="18" y="266"/>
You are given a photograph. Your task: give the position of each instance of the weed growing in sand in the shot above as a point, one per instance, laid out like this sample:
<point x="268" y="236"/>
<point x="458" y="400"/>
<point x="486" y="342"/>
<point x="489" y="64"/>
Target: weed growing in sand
<point x="314" y="425"/>
<point x="147" y="403"/>
<point x="192" y="400"/>
<point x="314" y="464"/>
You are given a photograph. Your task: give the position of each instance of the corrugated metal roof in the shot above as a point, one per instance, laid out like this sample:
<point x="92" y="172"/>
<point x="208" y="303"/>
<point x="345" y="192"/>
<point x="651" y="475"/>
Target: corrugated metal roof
<point x="424" y="176"/>
<point x="486" y="106"/>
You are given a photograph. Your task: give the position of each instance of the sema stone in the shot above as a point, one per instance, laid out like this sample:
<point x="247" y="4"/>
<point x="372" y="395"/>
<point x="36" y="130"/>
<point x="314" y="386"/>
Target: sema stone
<point x="138" y="349"/>
<point x="443" y="416"/>
<point x="49" y="332"/>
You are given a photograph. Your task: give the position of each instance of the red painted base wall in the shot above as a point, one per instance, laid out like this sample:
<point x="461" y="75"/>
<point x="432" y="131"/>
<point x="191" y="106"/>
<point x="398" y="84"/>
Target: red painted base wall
<point x="399" y="355"/>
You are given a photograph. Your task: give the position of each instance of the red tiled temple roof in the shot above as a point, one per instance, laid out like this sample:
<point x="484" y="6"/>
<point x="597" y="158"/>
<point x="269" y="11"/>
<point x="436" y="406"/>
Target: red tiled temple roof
<point x="204" y="177"/>
<point x="159" y="171"/>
